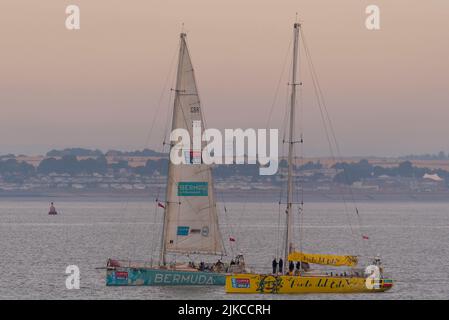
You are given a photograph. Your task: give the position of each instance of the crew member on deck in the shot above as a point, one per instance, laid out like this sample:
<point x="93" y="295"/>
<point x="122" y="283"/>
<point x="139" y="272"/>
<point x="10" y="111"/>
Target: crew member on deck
<point x="291" y="267"/>
<point x="218" y="266"/>
<point x="281" y="265"/>
<point x="275" y="265"/>
<point x="52" y="209"/>
<point x="377" y="262"/>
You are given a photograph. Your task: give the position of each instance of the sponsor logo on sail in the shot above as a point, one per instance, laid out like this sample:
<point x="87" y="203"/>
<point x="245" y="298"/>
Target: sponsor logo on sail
<point x="205" y="231"/>
<point x="193" y="189"/>
<point x="182" y="231"/>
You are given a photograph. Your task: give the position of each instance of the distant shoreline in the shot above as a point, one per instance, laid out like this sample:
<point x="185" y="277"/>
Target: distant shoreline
<point x="226" y="196"/>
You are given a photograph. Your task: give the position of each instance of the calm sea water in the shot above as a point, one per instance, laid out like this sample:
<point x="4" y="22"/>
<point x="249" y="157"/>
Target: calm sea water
<point x="412" y="238"/>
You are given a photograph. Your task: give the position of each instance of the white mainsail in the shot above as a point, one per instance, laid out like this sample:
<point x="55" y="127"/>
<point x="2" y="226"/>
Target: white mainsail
<point x="190" y="219"/>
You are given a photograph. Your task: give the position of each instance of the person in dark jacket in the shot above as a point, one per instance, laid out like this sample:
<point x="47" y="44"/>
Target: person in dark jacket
<point x="52" y="209"/>
<point x="275" y="265"/>
<point x="281" y="265"/>
<point x="291" y="267"/>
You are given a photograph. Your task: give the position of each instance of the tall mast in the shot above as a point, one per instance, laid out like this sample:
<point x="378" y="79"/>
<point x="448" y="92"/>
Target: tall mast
<point x="162" y="259"/>
<point x="289" y="211"/>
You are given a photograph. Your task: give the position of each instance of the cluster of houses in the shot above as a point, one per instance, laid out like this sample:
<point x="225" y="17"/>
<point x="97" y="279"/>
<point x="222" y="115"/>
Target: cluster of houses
<point x="317" y="180"/>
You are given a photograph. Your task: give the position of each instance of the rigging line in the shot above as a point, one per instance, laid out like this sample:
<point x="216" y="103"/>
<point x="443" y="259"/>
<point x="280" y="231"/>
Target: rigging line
<point x="278" y="84"/>
<point x="327" y="116"/>
<point x="161" y="148"/>
<point x="165" y="132"/>
<point x="302" y="162"/>
<point x="279" y="243"/>
<point x="159" y="104"/>
<point x="242" y="212"/>
<point x="239" y="226"/>
<point x="325" y="120"/>
<point x="284" y="124"/>
<point x="300" y="194"/>
<point x="277" y="232"/>
<point x="184" y="117"/>
<point x="171" y="100"/>
<point x="183" y="113"/>
<point x="154" y="238"/>
<point x="157" y="233"/>
<point x="284" y="186"/>
<point x="215" y="218"/>
<point x="213" y="202"/>
<point x="228" y="223"/>
<point x="283" y="243"/>
<point x="346" y="209"/>
<point x="333" y="134"/>
<point x="225" y="215"/>
<point x="286" y="112"/>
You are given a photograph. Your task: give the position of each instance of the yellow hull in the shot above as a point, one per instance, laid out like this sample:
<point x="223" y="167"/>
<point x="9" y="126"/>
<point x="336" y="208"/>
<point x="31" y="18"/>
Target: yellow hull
<point x="266" y="283"/>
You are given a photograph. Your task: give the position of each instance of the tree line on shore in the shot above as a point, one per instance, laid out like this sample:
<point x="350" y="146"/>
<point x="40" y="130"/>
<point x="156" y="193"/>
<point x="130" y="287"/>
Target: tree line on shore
<point x="346" y="172"/>
<point x="358" y="171"/>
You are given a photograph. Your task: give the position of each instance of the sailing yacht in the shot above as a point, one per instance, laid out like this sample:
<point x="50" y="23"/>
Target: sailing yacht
<point x="305" y="279"/>
<point x="190" y="225"/>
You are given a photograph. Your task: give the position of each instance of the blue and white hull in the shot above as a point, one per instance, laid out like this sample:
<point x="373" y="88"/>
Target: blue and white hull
<point x="128" y="276"/>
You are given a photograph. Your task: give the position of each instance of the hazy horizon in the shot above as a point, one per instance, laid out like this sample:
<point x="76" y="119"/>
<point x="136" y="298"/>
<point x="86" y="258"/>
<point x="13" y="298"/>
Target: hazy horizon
<point x="99" y="87"/>
<point x="44" y="152"/>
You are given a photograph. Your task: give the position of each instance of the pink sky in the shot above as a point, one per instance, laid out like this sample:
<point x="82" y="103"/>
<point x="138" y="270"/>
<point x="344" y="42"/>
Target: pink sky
<point x="99" y="87"/>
